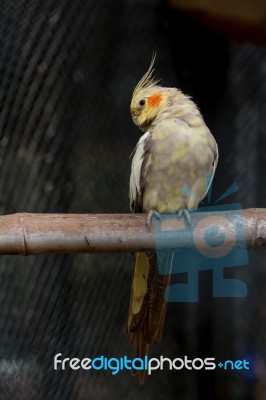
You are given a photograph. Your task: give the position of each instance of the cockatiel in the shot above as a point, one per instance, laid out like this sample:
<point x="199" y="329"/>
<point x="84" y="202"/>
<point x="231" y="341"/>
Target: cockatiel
<point x="177" y="151"/>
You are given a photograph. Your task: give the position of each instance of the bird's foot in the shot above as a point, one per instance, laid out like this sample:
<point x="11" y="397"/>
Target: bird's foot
<point x="152" y="213"/>
<point x="185" y="214"/>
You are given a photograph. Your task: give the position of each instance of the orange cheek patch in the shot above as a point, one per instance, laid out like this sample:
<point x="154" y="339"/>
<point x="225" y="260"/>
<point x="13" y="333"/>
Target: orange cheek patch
<point x="155" y="99"/>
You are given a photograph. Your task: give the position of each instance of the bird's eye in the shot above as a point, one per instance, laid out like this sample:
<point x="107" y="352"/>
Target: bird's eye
<point x="142" y="102"/>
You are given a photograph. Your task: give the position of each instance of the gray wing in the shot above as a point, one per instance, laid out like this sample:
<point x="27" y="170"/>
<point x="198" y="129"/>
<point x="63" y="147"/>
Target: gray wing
<point x="139" y="168"/>
<point x="214" y="163"/>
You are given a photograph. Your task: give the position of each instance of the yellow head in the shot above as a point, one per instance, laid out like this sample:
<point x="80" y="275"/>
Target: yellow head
<point x="148" y="99"/>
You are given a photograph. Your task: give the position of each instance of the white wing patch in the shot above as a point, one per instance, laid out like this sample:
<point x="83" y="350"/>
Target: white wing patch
<point x="134" y="183"/>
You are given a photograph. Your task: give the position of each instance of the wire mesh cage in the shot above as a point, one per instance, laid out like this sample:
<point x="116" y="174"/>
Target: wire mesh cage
<point x="67" y="71"/>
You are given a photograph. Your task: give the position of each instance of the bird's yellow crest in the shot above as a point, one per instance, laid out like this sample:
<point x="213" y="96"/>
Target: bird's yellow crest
<point x="147" y="81"/>
<point x="147" y="99"/>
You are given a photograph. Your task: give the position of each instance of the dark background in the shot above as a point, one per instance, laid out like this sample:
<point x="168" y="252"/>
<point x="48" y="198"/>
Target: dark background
<point x="67" y="72"/>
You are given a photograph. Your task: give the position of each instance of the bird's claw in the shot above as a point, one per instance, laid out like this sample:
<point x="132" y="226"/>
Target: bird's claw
<point x="185" y="214"/>
<point x="152" y="213"/>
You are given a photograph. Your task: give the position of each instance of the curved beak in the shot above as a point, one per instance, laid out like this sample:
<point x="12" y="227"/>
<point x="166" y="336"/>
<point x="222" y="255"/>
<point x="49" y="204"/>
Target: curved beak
<point x="135" y="118"/>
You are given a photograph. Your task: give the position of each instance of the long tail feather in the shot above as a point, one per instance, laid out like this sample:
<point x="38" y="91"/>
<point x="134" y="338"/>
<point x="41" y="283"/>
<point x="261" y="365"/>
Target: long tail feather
<point x="147" y="304"/>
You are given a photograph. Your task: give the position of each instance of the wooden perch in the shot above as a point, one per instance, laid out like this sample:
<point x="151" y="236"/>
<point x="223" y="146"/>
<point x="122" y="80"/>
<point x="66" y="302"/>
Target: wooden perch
<point x="26" y="234"/>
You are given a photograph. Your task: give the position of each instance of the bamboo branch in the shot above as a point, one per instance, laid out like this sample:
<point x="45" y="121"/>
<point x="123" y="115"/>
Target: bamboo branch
<point x="27" y="234"/>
